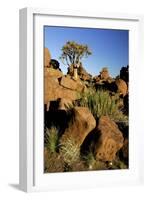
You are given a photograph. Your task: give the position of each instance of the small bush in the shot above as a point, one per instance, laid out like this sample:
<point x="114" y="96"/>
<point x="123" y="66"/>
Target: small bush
<point x="70" y="151"/>
<point x="101" y="103"/>
<point x="51" y="139"/>
<point x="92" y="163"/>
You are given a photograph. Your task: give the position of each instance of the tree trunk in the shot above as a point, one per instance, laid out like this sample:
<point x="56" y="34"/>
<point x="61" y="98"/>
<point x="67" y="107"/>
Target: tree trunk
<point x="75" y="74"/>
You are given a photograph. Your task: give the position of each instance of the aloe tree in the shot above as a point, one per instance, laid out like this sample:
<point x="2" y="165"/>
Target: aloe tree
<point x="72" y="54"/>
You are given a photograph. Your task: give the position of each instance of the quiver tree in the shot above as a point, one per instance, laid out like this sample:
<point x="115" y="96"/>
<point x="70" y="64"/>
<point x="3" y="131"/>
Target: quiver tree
<point x="72" y="54"/>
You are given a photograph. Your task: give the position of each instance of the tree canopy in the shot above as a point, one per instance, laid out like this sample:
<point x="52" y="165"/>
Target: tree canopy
<point x="72" y="53"/>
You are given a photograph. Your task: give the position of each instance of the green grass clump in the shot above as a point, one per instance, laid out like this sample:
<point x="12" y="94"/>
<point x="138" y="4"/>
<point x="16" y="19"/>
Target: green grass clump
<point x="51" y="139"/>
<point x="92" y="163"/>
<point x="102" y="103"/>
<point x="70" y="151"/>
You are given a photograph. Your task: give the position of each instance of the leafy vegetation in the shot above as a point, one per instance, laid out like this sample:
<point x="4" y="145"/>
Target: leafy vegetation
<point x="101" y="103"/>
<point x="51" y="139"/>
<point x="70" y="151"/>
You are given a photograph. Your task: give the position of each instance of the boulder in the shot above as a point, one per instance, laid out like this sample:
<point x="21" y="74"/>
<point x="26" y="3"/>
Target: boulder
<point x="47" y="57"/>
<point x="83" y="74"/>
<point x="110" y="139"/>
<point x="71" y="84"/>
<point x="104" y="74"/>
<point x="51" y="86"/>
<point x="53" y="91"/>
<point x="81" y="124"/>
<point x="50" y="72"/>
<point x="125" y="149"/>
<point x="121" y="86"/>
<point x="64" y="104"/>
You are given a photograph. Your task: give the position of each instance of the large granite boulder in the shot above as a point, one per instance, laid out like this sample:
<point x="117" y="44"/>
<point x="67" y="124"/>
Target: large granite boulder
<point x="110" y="139"/>
<point x="122" y="87"/>
<point x="47" y="57"/>
<point x="81" y="124"/>
<point x="71" y="84"/>
<point x="50" y="72"/>
<point x="53" y="90"/>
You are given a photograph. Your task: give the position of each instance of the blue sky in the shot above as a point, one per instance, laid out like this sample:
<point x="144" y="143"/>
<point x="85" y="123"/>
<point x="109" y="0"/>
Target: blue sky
<point x="109" y="47"/>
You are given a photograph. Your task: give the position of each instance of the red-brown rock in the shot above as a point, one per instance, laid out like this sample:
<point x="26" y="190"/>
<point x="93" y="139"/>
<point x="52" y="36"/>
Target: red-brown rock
<point x="121" y="87"/>
<point x="80" y="126"/>
<point x="71" y="84"/>
<point x="50" y="72"/>
<point x="47" y="57"/>
<point x="110" y="139"/>
<point x="125" y="148"/>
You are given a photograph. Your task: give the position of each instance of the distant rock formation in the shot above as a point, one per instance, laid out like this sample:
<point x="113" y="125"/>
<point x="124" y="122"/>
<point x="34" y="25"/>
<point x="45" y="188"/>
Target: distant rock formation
<point x="103" y="76"/>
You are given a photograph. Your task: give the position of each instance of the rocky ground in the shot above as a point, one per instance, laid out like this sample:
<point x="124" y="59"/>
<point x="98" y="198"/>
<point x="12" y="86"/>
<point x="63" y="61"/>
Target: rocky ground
<point x="85" y="120"/>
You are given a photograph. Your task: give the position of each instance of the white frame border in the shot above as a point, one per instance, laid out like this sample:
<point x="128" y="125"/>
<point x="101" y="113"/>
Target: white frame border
<point x="27" y="90"/>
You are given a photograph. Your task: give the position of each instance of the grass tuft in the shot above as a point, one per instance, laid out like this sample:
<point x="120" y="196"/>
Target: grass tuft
<point x="51" y="139"/>
<point x="102" y="103"/>
<point x="70" y="151"/>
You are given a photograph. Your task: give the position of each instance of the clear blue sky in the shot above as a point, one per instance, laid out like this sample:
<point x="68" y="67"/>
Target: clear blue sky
<point x="109" y="47"/>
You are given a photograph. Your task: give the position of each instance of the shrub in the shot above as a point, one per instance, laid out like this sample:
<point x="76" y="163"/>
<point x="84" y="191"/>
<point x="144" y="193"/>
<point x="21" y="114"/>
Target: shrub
<point x="51" y="139"/>
<point x="70" y="151"/>
<point x="92" y="163"/>
<point x="101" y="103"/>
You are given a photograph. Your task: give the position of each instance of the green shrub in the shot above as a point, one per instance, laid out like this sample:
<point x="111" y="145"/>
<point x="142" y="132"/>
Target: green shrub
<point x="51" y="139"/>
<point x="101" y="103"/>
<point x="92" y="163"/>
<point x="70" y="151"/>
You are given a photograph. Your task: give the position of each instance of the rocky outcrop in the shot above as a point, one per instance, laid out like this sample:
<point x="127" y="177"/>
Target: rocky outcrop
<point x="103" y="79"/>
<point x="53" y="90"/>
<point x="104" y="74"/>
<point x="82" y="73"/>
<point x="55" y="73"/>
<point x="110" y="139"/>
<point x="71" y="84"/>
<point x="122" y="88"/>
<point x="81" y="124"/>
<point x="47" y="57"/>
